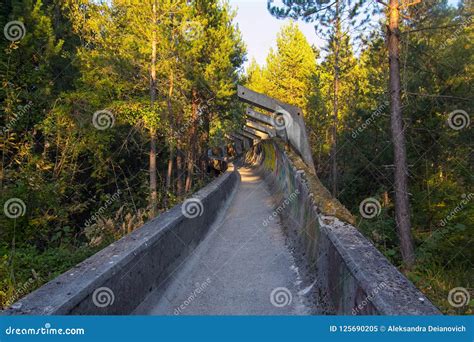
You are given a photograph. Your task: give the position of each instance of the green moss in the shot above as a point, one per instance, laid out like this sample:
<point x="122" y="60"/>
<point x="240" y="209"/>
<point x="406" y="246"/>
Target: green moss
<point x="322" y="197"/>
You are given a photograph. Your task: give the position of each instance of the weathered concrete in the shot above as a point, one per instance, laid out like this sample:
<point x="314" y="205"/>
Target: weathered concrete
<point x="253" y="138"/>
<point x="238" y="145"/>
<point x="269" y="130"/>
<point x="294" y="131"/>
<point x="345" y="272"/>
<point x="236" y="268"/>
<point x="266" y="119"/>
<point x="135" y="265"/>
<point x="255" y="132"/>
<point x="246" y="143"/>
<point x="233" y="256"/>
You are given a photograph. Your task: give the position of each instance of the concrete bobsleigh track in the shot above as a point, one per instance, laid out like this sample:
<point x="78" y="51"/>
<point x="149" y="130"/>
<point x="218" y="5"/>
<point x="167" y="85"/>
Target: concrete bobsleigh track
<point x="264" y="238"/>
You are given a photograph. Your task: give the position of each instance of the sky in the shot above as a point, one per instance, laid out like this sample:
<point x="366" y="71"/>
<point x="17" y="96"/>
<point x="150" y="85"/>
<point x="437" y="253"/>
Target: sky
<point x="259" y="28"/>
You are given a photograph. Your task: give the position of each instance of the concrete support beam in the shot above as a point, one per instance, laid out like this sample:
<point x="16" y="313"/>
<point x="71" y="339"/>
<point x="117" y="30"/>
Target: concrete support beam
<point x="265" y="102"/>
<point x="237" y="143"/>
<point x="238" y="146"/>
<point x="241" y="137"/>
<point x="261" y="127"/>
<point x="264" y="118"/>
<point x="293" y="129"/>
<point x="237" y="136"/>
<point x="255" y="132"/>
<point x="250" y="136"/>
<point x="246" y="142"/>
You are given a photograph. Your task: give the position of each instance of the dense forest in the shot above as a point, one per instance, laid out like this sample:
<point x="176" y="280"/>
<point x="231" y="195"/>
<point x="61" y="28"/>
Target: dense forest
<point x="108" y="110"/>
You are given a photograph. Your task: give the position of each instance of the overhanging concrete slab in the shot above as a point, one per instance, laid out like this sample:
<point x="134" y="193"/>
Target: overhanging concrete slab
<point x="249" y="135"/>
<point x="266" y="119"/>
<point x="261" y="127"/>
<point x="244" y="139"/>
<point x="265" y="102"/>
<point x="292" y="128"/>
<point x="255" y="132"/>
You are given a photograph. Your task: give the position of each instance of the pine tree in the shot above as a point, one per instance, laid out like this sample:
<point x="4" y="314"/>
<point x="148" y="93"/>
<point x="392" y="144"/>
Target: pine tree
<point x="289" y="69"/>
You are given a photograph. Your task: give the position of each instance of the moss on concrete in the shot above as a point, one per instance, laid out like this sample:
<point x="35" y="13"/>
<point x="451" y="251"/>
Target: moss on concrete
<point x="323" y="199"/>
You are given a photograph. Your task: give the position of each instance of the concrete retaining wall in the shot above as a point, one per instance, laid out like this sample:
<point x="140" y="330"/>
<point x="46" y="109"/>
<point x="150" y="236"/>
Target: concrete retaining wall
<point x="344" y="271"/>
<point x="125" y="272"/>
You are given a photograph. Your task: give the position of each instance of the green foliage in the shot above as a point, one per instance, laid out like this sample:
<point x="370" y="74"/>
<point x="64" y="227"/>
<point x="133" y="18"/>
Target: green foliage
<point x="437" y="74"/>
<point x="289" y="70"/>
<point x="29" y="268"/>
<point x="85" y="182"/>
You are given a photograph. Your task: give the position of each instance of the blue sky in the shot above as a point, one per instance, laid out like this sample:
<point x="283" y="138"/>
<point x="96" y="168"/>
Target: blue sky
<point x="259" y="28"/>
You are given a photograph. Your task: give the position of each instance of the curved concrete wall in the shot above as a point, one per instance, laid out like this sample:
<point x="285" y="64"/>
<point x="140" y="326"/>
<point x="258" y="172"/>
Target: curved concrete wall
<point x="133" y="266"/>
<point x="345" y="273"/>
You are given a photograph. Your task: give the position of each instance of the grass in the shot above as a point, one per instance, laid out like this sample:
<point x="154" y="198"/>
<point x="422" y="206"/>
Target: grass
<point x="30" y="269"/>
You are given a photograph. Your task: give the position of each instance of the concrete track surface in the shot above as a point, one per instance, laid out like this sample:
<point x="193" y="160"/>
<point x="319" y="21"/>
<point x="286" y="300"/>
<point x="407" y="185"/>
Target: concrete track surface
<point x="242" y="267"/>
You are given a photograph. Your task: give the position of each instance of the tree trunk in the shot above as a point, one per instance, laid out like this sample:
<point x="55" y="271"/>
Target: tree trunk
<point x="179" y="173"/>
<point x="169" y="173"/>
<point x="153" y="184"/>
<point x="335" y="103"/>
<point x="192" y="143"/>
<point x="402" y="207"/>
<point x="189" y="170"/>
